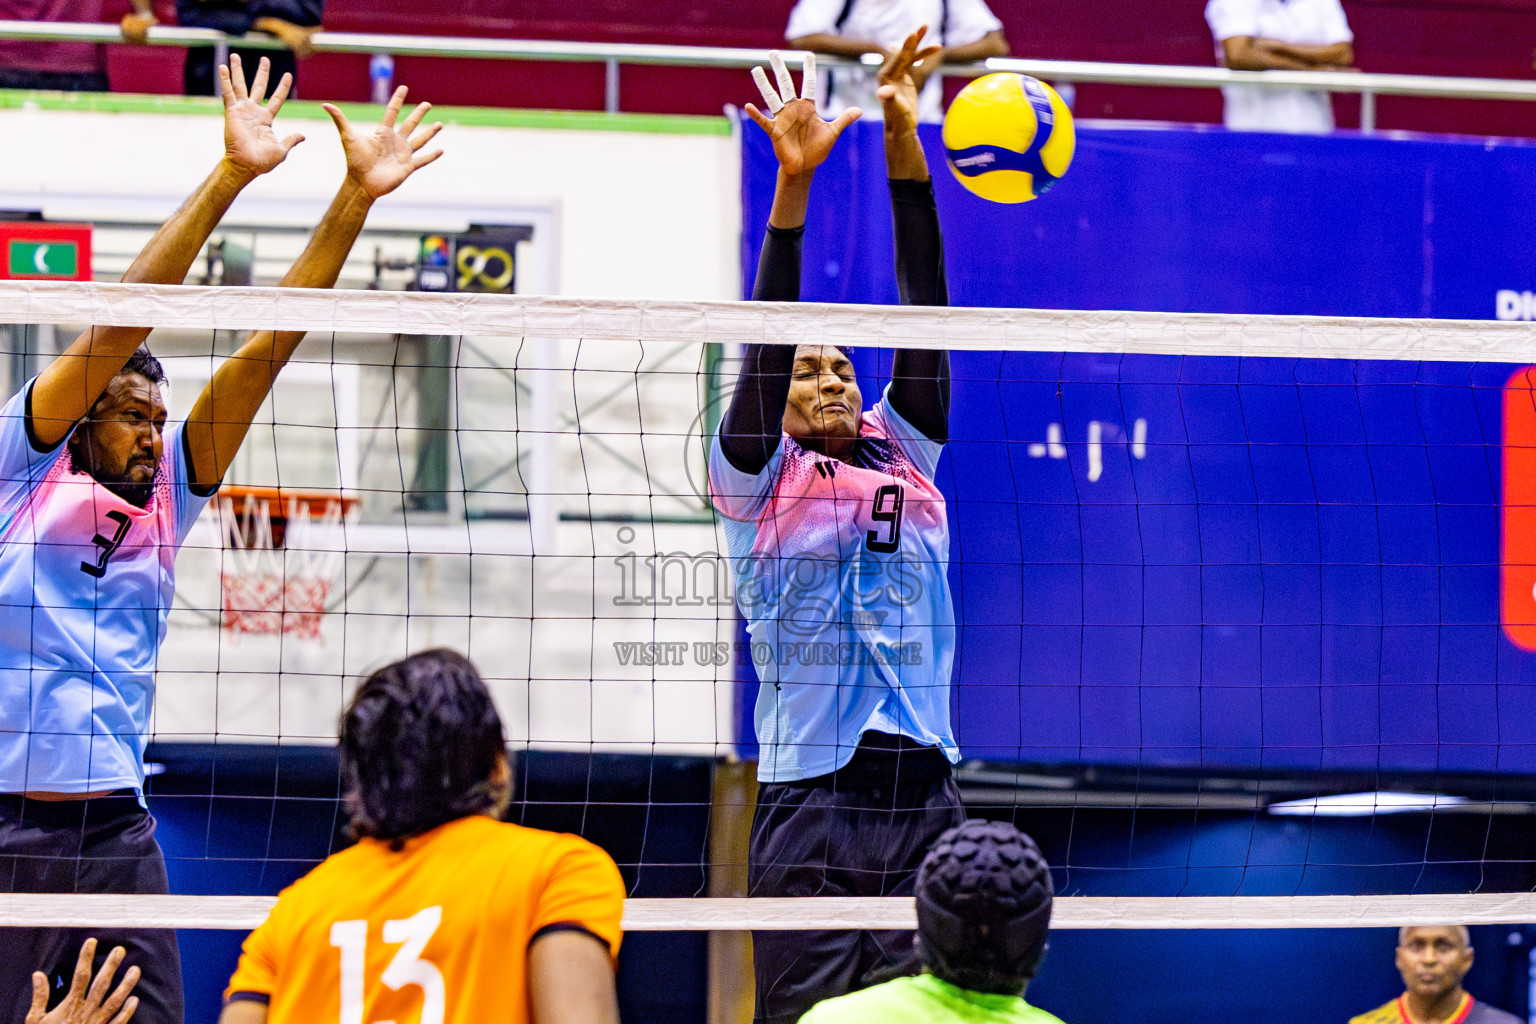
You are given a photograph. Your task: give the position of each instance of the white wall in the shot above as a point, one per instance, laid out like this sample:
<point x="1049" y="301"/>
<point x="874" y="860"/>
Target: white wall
<point x="638" y="214"/>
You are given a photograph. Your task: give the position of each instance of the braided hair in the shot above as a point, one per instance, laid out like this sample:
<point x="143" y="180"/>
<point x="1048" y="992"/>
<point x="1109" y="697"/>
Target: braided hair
<point x="984" y="907"/>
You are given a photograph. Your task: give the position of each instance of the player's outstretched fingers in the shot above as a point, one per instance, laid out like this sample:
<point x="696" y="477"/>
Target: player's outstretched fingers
<point x="115" y="1004"/>
<point x="280" y="93"/>
<point x="237" y="76"/>
<point x="103" y="979"/>
<point x="392" y="112"/>
<point x="259" y="82"/>
<point x="39" y="998"/>
<point x="808" y="77"/>
<point x="763" y="122"/>
<point x="83" y="962"/>
<point x="781" y="75"/>
<point x="426" y="136"/>
<point x="340" y="119"/>
<point x="414" y="119"/>
<point x="419" y="162"/>
<point x="126" y="1013"/>
<point x="770" y="96"/>
<point x="845" y="119"/>
<point x="226" y="87"/>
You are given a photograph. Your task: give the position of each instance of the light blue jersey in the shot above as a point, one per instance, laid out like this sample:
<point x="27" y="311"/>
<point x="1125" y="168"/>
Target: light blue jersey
<point x="841" y="571"/>
<point x="86" y="581"/>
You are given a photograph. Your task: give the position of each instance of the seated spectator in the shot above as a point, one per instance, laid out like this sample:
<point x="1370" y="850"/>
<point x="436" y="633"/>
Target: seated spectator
<point x="1432" y="961"/>
<point x="292" y="21"/>
<point x="88" y="1000"/>
<point x="966" y="29"/>
<point x="73" y="67"/>
<point x="983" y="915"/>
<point x="1290" y="35"/>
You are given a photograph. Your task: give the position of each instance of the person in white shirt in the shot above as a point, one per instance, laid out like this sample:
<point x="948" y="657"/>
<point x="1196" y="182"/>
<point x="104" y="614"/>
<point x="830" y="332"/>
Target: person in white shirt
<point x="1294" y="35"/>
<point x="966" y="29"/>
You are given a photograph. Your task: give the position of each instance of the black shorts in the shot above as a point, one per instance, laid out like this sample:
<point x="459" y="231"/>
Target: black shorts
<point x="105" y="845"/>
<point x="849" y="841"/>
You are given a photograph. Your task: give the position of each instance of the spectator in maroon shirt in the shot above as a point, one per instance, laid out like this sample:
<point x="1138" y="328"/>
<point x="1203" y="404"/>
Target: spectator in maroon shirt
<point x="76" y="67"/>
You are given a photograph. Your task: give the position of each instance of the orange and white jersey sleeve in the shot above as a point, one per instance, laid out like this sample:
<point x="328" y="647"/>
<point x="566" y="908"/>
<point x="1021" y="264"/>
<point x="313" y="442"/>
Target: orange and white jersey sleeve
<point x="256" y="976"/>
<point x="582" y="890"/>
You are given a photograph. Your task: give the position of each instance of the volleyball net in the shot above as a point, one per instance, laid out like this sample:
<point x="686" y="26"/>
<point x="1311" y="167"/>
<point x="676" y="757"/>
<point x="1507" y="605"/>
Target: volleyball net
<point x="1245" y="608"/>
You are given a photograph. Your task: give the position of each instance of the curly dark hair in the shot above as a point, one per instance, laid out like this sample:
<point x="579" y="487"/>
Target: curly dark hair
<point x="419" y="746"/>
<point x="146" y="365"/>
<point x="984" y="907"/>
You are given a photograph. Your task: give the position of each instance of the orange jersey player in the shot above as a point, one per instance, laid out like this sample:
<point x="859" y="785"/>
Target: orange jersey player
<point x="441" y="914"/>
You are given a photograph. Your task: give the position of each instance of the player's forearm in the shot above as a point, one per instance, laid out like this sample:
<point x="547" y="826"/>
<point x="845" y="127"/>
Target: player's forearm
<point x="920" y="377"/>
<point x="993" y="44"/>
<point x="754" y="421"/>
<point x="169" y="254"/>
<point x="791" y="200"/>
<point x="836" y="46"/>
<point x="919" y="244"/>
<point x="1244" y="53"/>
<point x="69" y="385"/>
<point x="222" y="416"/>
<point x="1335" y="55"/>
<point x="904" y="156"/>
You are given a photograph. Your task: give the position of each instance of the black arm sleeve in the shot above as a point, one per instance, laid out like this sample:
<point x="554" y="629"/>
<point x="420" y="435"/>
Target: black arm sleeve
<point x="920" y="378"/>
<point x="753" y="424"/>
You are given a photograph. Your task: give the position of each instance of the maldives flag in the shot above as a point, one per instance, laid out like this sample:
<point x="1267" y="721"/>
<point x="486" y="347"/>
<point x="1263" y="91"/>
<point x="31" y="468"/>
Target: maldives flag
<point x="39" y="251"/>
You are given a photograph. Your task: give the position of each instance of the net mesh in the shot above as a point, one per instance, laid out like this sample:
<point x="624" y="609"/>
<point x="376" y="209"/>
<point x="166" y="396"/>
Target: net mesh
<point x="1207" y="570"/>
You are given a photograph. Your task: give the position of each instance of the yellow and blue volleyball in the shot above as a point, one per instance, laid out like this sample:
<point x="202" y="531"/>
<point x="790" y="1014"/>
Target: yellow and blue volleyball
<point x="1009" y="137"/>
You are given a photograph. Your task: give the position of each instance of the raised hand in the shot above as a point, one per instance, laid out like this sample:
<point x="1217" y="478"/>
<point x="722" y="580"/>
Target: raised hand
<point x="801" y="139"/>
<point x="249" y="141"/>
<point x="379" y="161"/>
<point x="899" y="83"/>
<point x="88" y="1001"/>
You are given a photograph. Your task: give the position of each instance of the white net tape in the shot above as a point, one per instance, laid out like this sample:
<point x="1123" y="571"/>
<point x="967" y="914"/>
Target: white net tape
<point x="240" y="913"/>
<point x="992" y="330"/>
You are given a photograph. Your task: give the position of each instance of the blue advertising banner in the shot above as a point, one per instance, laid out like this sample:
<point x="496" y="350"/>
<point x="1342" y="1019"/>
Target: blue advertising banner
<point x="1211" y="562"/>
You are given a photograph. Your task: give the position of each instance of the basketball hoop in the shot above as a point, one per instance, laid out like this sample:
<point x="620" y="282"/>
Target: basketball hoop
<point x="283" y="550"/>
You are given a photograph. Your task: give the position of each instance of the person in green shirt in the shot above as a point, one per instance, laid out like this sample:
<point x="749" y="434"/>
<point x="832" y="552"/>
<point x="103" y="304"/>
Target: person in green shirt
<point x="983" y="914"/>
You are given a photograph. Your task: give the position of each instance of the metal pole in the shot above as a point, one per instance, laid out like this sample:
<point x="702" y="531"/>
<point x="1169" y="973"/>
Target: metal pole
<point x="611" y="85"/>
<point x="220" y="58"/>
<point x="1367" y="112"/>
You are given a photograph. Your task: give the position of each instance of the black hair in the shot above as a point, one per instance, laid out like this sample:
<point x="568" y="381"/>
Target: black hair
<point x="984" y="907"/>
<point x="145" y="365"/>
<point x="419" y="744"/>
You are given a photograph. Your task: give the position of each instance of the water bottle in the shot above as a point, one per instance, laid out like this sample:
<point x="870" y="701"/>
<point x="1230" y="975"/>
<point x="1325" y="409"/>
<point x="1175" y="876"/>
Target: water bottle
<point x="381" y="74"/>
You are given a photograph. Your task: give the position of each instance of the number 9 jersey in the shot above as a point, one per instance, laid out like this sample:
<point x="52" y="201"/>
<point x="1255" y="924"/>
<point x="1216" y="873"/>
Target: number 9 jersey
<point x="841" y="571"/>
<point x="436" y="932"/>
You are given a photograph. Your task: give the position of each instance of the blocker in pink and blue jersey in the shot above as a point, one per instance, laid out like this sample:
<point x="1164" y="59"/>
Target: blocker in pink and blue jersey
<point x="86" y="581"/>
<point x="841" y="572"/>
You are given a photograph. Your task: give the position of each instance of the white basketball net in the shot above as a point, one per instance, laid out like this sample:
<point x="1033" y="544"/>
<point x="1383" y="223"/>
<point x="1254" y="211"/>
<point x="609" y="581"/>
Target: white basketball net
<point x="268" y="589"/>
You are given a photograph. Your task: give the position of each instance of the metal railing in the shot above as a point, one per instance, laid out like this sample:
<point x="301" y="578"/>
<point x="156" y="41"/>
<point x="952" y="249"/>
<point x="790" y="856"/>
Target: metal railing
<point x="613" y="55"/>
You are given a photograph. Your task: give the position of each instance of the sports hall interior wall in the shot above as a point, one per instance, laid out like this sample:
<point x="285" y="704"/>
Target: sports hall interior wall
<point x="247" y="820"/>
<point x="1474" y="38"/>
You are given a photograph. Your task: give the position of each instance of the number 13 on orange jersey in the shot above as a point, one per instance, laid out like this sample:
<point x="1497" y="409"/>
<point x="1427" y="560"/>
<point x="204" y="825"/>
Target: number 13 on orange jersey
<point x="406" y="968"/>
